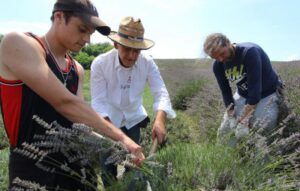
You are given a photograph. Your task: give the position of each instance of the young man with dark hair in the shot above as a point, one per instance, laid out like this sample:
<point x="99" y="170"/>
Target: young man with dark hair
<point x="38" y="77"/>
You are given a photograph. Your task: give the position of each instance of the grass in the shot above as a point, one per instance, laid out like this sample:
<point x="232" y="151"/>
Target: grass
<point x="191" y="159"/>
<point x="185" y="93"/>
<point x="190" y="167"/>
<point x="203" y="167"/>
<point x="197" y="166"/>
<point x="209" y="166"/>
<point x="3" y="138"/>
<point x="86" y="86"/>
<point x="4" y="168"/>
<point x="148" y="101"/>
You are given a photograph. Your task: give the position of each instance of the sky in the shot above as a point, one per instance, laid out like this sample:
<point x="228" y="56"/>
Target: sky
<point x="179" y="27"/>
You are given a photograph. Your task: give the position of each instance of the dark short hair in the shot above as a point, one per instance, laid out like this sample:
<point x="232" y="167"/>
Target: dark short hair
<point x="67" y="15"/>
<point x="85" y="10"/>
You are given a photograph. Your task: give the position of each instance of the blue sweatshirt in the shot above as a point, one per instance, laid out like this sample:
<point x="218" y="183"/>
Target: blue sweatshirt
<point x="250" y="70"/>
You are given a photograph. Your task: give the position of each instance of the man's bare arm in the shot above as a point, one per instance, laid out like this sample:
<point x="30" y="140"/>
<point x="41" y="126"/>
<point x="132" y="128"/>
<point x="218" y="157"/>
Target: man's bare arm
<point x="25" y="60"/>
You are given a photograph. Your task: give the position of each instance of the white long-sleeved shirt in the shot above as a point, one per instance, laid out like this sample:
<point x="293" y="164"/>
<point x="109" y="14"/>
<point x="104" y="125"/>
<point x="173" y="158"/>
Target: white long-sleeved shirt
<point x="117" y="92"/>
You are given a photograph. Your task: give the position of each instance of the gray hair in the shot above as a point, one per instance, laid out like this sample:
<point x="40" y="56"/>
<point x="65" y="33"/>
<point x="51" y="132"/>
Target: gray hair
<point x="215" y="41"/>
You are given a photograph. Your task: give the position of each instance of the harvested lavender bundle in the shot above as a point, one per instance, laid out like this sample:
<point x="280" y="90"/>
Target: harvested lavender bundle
<point x="73" y="152"/>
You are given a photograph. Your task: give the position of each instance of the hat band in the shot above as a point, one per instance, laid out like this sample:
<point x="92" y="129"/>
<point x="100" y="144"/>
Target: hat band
<point x="140" y="39"/>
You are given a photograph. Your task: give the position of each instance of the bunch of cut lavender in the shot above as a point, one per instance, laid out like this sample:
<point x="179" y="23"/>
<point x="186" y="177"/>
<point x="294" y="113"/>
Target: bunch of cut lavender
<point x="78" y="145"/>
<point x="22" y="185"/>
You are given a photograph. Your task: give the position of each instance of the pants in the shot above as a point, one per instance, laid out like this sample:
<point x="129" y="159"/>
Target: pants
<point x="266" y="111"/>
<point x="265" y="114"/>
<point x="109" y="172"/>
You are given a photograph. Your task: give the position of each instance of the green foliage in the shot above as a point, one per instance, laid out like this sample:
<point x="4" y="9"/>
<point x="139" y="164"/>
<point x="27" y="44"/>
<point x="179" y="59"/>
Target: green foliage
<point x="84" y="59"/>
<point x="185" y="93"/>
<point x="3" y="137"/>
<point x="96" y="49"/>
<point x="1" y="37"/>
<point x="148" y="101"/>
<point x="193" y="167"/>
<point x="89" y="52"/>
<point x="189" y="166"/>
<point x="183" y="129"/>
<point x="4" y="168"/>
<point x="190" y="162"/>
<point x="86" y="86"/>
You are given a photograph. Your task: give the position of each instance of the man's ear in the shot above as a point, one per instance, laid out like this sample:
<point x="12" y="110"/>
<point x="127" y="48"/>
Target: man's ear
<point x="116" y="45"/>
<point x="59" y="16"/>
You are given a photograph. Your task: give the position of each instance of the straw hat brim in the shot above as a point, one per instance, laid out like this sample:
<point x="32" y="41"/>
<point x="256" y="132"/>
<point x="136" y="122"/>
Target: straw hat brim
<point x="142" y="45"/>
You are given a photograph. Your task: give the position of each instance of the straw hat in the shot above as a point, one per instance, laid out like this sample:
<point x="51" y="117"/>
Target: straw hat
<point x="131" y="34"/>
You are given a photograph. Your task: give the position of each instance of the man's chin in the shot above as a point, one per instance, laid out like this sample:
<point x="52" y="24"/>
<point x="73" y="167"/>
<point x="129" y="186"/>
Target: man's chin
<point x="129" y="64"/>
<point x="228" y="60"/>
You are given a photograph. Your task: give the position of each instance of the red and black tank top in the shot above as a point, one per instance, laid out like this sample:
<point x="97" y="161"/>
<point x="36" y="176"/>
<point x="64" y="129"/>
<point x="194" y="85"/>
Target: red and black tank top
<point x="19" y="103"/>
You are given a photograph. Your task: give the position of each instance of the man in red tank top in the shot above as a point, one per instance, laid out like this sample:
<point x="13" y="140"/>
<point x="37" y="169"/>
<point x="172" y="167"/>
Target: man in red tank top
<point x="37" y="77"/>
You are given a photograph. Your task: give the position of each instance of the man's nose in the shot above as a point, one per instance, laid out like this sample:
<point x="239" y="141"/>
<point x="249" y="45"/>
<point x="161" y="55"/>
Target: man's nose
<point x="87" y="38"/>
<point x="133" y="53"/>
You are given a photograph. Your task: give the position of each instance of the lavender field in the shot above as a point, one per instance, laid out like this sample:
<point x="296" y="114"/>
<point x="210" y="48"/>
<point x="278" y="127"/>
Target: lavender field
<point x="191" y="159"/>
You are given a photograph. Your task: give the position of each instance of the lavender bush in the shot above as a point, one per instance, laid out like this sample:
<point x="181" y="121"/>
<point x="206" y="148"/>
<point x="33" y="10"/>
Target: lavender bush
<point x="190" y="159"/>
<point x="79" y="145"/>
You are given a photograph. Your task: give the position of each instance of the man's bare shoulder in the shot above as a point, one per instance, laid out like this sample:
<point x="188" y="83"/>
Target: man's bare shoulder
<point x="8" y="42"/>
<point x="13" y="39"/>
<point x="16" y="51"/>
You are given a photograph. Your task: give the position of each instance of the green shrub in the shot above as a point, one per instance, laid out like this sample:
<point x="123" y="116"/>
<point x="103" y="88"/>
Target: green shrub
<point x="84" y="59"/>
<point x="185" y="93"/>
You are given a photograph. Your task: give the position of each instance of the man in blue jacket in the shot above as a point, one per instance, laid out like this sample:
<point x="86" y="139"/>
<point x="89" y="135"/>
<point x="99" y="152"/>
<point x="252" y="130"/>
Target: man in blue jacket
<point x="248" y="67"/>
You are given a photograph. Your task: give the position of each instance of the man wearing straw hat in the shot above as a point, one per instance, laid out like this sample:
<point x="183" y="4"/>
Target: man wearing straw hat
<point x="118" y="79"/>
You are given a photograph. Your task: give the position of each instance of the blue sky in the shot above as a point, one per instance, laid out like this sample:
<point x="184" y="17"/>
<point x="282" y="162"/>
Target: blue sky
<point x="179" y="27"/>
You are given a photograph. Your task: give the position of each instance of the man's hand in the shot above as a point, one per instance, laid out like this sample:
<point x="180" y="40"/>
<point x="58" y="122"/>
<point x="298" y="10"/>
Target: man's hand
<point x="230" y="110"/>
<point x="116" y="134"/>
<point x="158" y="129"/>
<point x="246" y="113"/>
<point x="136" y="150"/>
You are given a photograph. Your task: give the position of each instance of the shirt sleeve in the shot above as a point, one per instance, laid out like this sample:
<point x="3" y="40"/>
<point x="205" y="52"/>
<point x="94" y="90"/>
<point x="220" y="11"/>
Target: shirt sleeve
<point x="98" y="88"/>
<point x="161" y="96"/>
<point x="253" y="65"/>
<point x="223" y="83"/>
